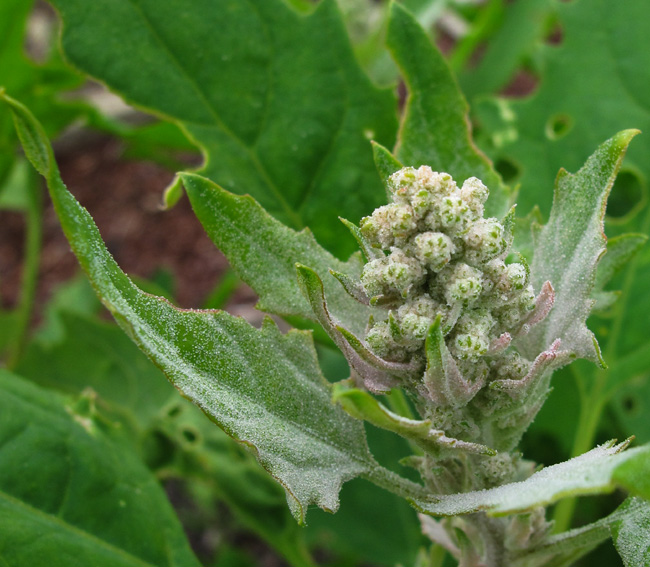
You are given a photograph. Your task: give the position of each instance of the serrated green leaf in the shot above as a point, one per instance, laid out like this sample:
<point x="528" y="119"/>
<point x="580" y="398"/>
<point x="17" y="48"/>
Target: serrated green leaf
<point x="591" y="473"/>
<point x="69" y="496"/>
<point x="435" y="129"/>
<point x="89" y="353"/>
<point x="634" y="474"/>
<point x="569" y="246"/>
<point x="275" y="99"/>
<point x="263" y="388"/>
<point x="620" y="251"/>
<point x="631" y="534"/>
<point x="264" y="253"/>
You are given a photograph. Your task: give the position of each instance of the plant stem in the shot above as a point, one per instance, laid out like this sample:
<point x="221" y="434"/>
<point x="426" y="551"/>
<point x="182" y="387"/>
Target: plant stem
<point x="34" y="231"/>
<point x="437" y="555"/>
<point x="396" y="484"/>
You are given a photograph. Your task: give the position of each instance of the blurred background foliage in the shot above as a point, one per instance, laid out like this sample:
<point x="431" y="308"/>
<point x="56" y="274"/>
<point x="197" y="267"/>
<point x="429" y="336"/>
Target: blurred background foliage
<point x="546" y="81"/>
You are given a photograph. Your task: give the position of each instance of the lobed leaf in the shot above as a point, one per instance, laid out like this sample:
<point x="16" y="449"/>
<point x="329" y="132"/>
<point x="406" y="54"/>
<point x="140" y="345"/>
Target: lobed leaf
<point x="564" y="549"/>
<point x="74" y="497"/>
<point x="435" y="129"/>
<point x="263" y="388"/>
<point x="620" y="251"/>
<point x="275" y="99"/>
<point x="591" y="473"/>
<point x="569" y="247"/>
<point x="264" y="253"/>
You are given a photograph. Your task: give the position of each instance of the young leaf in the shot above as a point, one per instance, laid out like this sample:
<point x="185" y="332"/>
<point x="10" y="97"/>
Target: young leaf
<point x="264" y="253"/>
<point x="435" y="129"/>
<point x="569" y="246"/>
<point x="73" y="496"/>
<point x="362" y="405"/>
<point x="591" y="473"/>
<point x="275" y="99"/>
<point x="385" y="162"/>
<point x="378" y="375"/>
<point x="263" y="388"/>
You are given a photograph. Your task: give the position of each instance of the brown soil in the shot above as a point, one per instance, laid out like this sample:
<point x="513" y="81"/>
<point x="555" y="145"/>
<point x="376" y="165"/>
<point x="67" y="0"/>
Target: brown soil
<point x="124" y="198"/>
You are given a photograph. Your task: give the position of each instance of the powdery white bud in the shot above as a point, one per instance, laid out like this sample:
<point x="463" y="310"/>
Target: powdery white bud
<point x="382" y="343"/>
<point x="396" y="274"/>
<point x="504" y="283"/>
<point x="463" y="284"/>
<point x="422" y="201"/>
<point x="474" y="193"/>
<point x="422" y="306"/>
<point x="494" y="469"/>
<point x="388" y="225"/>
<point x="516" y="276"/>
<point x="452" y="214"/>
<point x="438" y="183"/>
<point x="433" y="249"/>
<point x="476" y="320"/>
<point x="400" y="183"/>
<point x="472" y="334"/>
<point x="484" y="240"/>
<point x="526" y="299"/>
<point x="470" y="345"/>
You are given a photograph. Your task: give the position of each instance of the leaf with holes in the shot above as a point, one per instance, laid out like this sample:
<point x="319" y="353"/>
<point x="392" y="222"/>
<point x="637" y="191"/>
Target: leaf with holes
<point x="275" y="99"/>
<point x="592" y="84"/>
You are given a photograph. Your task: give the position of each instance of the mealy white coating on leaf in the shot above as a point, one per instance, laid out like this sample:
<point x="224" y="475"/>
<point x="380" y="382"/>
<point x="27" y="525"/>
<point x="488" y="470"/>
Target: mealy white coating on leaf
<point x="590" y="473"/>
<point x="631" y="534"/>
<point x="263" y="388"/>
<point x="264" y="253"/>
<point x="569" y="246"/>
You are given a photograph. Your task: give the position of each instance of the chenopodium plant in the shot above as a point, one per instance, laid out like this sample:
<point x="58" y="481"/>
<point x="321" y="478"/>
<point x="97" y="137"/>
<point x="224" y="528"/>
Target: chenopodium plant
<point x="442" y="311"/>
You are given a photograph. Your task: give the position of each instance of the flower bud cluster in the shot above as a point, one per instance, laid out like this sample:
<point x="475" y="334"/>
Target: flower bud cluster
<point x="443" y="259"/>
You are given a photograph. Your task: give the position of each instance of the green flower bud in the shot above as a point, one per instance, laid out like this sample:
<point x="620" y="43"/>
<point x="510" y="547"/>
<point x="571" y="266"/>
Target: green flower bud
<point x="463" y="284"/>
<point x="452" y="214"/>
<point x="388" y="225"/>
<point x="484" y="241"/>
<point x="474" y="193"/>
<point x="396" y="274"/>
<point x="433" y="249"/>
